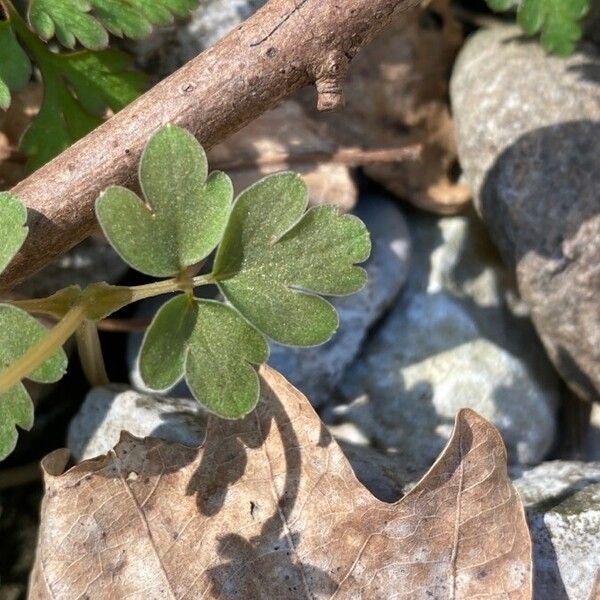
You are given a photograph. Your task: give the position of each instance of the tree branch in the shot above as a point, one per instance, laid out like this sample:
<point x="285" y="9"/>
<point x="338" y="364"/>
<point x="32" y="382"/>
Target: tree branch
<point x="286" y="45"/>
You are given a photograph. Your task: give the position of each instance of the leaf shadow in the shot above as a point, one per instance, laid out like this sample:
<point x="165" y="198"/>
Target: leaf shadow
<point x="267" y="560"/>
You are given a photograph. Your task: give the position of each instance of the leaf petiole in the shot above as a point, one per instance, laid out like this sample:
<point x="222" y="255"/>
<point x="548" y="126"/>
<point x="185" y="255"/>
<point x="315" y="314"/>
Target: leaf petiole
<point x="94" y="303"/>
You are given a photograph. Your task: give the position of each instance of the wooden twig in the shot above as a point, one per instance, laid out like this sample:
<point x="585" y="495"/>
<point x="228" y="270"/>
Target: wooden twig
<point x="353" y="157"/>
<point x="284" y="46"/>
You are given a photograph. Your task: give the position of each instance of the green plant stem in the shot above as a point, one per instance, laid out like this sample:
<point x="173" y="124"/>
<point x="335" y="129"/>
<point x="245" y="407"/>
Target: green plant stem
<point x="156" y="288"/>
<point x="90" y="354"/>
<point x="76" y="320"/>
<point x="37" y="354"/>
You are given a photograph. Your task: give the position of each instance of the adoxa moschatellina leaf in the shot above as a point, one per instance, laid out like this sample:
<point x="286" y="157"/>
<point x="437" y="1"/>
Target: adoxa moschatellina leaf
<point x="184" y="211"/>
<point x="18" y="332"/>
<point x="273" y="261"/>
<point x="558" y="21"/>
<point x="212" y="346"/>
<point x="13" y="231"/>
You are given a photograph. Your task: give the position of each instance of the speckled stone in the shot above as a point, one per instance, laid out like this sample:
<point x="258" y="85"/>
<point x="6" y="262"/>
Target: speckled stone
<point x="106" y="411"/>
<point x="428" y="360"/>
<point x="563" y="511"/>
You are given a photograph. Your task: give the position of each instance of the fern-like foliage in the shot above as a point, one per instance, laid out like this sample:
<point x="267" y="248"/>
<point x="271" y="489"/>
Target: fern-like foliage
<point x="80" y="86"/>
<point x="558" y="21"/>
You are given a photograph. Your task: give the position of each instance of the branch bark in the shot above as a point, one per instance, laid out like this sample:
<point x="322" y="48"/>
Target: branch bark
<point x="286" y="45"/>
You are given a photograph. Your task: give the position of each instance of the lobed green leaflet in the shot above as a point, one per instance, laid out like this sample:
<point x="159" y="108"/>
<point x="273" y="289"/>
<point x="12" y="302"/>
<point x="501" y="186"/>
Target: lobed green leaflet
<point x="274" y="260"/>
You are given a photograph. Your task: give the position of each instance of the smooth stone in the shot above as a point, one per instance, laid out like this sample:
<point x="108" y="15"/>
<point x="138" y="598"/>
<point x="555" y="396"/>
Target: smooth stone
<point x="316" y="371"/>
<point x="107" y="411"/>
<point x="456" y="255"/>
<point x="428" y="360"/>
<point x="562" y="501"/>
<point x="528" y="127"/>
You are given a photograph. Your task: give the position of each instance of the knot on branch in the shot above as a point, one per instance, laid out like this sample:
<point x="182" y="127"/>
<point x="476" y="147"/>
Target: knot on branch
<point x="329" y="77"/>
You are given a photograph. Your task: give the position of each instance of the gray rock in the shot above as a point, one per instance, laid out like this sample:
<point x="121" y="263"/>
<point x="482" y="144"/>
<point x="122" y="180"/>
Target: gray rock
<point x="459" y="336"/>
<point x="528" y="128"/>
<point x="169" y="48"/>
<point x="106" y="411"/>
<point x="563" y="511"/>
<point x="316" y="371"/>
<point x="426" y="362"/>
<point x="456" y="255"/>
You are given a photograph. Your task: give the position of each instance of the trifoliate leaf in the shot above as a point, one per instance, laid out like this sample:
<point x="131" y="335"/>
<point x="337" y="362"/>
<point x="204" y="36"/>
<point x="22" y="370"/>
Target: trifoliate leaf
<point x="13" y="216"/>
<point x="78" y="88"/>
<point x="273" y="255"/>
<point x="87" y="21"/>
<point x="15" y="68"/>
<point x="18" y="332"/>
<point x="213" y="346"/>
<point x="185" y="212"/>
<point x="69" y="21"/>
<point x="558" y="20"/>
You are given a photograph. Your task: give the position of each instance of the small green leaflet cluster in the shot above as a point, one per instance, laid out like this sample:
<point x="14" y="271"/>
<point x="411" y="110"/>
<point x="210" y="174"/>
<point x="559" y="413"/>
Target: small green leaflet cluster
<point x="273" y="259"/>
<point x="18" y="332"/>
<point x="90" y="21"/>
<point x="80" y="86"/>
<point x="558" y="21"/>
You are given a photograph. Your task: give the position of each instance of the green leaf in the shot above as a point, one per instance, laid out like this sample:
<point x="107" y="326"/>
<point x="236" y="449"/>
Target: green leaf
<point x="13" y="216"/>
<point x="69" y="21"/>
<point x="213" y="346"/>
<point x="78" y="88"/>
<point x="185" y="212"/>
<point x="15" y="68"/>
<point x="18" y="332"/>
<point x="273" y="255"/>
<point x="275" y="258"/>
<point x="501" y="5"/>
<point x="558" y="20"/>
<point x="87" y="21"/>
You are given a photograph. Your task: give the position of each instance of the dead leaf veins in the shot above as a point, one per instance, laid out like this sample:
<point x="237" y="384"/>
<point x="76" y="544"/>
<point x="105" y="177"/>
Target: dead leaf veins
<point x="269" y="508"/>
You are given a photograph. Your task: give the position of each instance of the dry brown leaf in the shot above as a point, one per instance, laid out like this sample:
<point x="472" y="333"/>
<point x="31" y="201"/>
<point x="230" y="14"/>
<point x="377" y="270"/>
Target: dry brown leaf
<point x="269" y="508"/>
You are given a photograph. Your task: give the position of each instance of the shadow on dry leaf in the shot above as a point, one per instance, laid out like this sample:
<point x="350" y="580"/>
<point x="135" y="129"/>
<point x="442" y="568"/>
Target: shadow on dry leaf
<point x="269" y="508"/>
